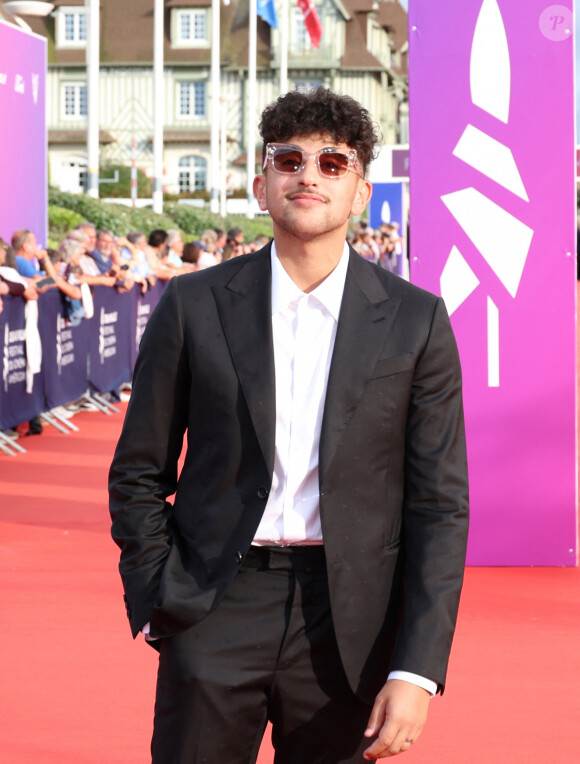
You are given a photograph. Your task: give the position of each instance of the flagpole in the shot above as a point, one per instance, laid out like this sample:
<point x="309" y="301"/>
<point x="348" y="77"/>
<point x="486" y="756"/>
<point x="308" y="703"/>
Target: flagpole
<point x="93" y="56"/>
<point x="215" y="107"/>
<point x="284" y="26"/>
<point x="159" y="105"/>
<point x="222" y="199"/>
<point x="251" y="104"/>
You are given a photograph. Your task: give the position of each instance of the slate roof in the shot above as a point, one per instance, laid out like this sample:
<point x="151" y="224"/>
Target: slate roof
<point x="127" y="33"/>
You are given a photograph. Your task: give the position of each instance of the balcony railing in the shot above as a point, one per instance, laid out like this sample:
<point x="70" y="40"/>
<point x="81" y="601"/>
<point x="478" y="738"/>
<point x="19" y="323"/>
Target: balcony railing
<point x="305" y="56"/>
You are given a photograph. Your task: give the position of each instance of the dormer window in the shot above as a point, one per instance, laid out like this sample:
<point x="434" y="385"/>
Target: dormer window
<point x="190" y="28"/>
<point x="71" y="27"/>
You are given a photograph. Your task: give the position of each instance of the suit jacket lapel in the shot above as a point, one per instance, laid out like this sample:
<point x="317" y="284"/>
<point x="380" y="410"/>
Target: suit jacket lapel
<point x="245" y="308"/>
<point x="366" y="315"/>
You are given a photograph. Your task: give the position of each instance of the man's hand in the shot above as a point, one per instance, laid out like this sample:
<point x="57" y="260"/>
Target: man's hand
<point x="397" y="718"/>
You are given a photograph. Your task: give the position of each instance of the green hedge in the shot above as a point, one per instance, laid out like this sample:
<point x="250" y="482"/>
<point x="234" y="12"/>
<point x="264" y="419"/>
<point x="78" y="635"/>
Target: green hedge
<point x="66" y="210"/>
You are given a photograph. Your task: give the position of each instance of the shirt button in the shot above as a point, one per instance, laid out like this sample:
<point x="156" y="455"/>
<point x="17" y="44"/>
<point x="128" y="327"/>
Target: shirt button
<point x="262" y="492"/>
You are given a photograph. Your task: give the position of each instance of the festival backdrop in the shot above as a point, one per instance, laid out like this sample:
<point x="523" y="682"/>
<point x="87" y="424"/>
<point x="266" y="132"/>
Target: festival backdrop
<point x="23" y="145"/>
<point x="493" y="223"/>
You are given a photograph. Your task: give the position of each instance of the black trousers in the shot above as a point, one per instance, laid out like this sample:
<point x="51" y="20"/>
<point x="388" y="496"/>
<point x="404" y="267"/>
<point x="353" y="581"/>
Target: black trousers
<point x="267" y="652"/>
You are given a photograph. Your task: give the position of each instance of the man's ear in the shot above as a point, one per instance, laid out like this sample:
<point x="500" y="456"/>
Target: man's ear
<point x="260" y="191"/>
<point x="362" y="197"/>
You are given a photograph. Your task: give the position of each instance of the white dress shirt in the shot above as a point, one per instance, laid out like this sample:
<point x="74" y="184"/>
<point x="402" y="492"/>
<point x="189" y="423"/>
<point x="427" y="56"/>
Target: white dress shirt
<point x="304" y="330"/>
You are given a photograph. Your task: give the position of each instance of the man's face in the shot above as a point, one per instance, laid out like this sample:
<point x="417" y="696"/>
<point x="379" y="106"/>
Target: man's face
<point x="177" y="245"/>
<point x="105" y="244"/>
<point x="29" y="247"/>
<point x="75" y="258"/>
<point x="307" y="205"/>
<point x="92" y="242"/>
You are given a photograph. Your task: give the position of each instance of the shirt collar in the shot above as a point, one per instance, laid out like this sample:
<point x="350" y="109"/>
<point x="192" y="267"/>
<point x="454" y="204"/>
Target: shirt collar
<point x="328" y="293"/>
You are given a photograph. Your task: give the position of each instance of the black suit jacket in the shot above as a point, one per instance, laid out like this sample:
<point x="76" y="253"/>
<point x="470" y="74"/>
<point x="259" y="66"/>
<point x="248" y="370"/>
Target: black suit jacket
<point x="393" y="478"/>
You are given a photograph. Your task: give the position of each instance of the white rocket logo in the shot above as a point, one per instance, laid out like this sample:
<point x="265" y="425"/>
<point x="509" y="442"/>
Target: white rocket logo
<point x="19" y="84"/>
<point x="35" y="84"/>
<point x="502" y="240"/>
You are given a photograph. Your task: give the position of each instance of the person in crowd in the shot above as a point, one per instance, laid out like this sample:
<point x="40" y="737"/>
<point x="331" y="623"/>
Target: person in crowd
<point x="108" y="253"/>
<point x="221" y="241"/>
<point x="28" y="254"/>
<point x="104" y="251"/>
<point x="235" y="243"/>
<point x="236" y="237"/>
<point x="69" y="275"/>
<point x="87" y="265"/>
<point x="227" y="253"/>
<point x="309" y="568"/>
<point x="155" y="255"/>
<point x="136" y="248"/>
<point x="15" y="285"/>
<point x="90" y="231"/>
<point x="261" y="240"/>
<point x="174" y="249"/>
<point x="361" y="245"/>
<point x="209" y="255"/>
<point x="131" y="264"/>
<point x="191" y="253"/>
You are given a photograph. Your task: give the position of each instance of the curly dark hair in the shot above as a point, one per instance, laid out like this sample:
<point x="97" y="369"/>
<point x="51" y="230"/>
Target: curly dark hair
<point x="323" y="112"/>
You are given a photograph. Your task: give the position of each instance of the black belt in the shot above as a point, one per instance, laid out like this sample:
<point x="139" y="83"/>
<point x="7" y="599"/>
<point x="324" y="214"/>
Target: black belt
<point x="286" y="557"/>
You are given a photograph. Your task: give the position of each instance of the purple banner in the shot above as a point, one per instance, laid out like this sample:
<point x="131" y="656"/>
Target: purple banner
<point x="64" y="352"/>
<point x="493" y="215"/>
<point x="23" y="144"/>
<point x="110" y="335"/>
<point x="16" y="405"/>
<point x="142" y="308"/>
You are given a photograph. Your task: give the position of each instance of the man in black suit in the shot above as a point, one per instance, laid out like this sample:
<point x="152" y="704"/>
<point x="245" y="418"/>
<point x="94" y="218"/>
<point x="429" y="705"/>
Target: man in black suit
<point x="309" y="570"/>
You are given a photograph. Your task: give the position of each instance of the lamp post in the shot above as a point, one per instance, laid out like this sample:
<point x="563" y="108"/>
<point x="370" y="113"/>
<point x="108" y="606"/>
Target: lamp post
<point x="28" y="8"/>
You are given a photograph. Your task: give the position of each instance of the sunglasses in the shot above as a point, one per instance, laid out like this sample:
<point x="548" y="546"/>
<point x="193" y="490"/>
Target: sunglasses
<point x="288" y="159"/>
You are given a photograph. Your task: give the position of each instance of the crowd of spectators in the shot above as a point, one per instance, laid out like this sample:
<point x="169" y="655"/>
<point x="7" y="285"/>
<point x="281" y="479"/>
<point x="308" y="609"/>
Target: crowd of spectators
<point x="383" y="246"/>
<point x="99" y="257"/>
<point x="91" y="257"/>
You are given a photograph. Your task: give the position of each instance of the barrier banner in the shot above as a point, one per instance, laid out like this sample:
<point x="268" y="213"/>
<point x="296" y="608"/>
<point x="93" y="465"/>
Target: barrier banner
<point x="493" y="224"/>
<point x="23" y="151"/>
<point x="110" y="339"/>
<point x="16" y="405"/>
<point x="64" y="352"/>
<point x="141" y="310"/>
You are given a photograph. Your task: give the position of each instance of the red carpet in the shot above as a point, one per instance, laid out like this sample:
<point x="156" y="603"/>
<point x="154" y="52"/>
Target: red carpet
<point x="75" y="687"/>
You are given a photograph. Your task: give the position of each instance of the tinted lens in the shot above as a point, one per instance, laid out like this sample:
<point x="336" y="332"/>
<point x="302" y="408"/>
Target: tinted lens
<point x="333" y="164"/>
<point x="287" y="160"/>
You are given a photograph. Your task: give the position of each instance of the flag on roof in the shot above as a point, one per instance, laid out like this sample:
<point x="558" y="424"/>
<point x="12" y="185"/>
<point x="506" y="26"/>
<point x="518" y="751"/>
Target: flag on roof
<point x="267" y="11"/>
<point x="311" y="21"/>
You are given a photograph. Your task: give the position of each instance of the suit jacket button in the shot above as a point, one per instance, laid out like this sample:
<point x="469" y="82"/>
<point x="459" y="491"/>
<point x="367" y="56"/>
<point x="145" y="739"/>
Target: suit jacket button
<point x="239" y="556"/>
<point x="262" y="492"/>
